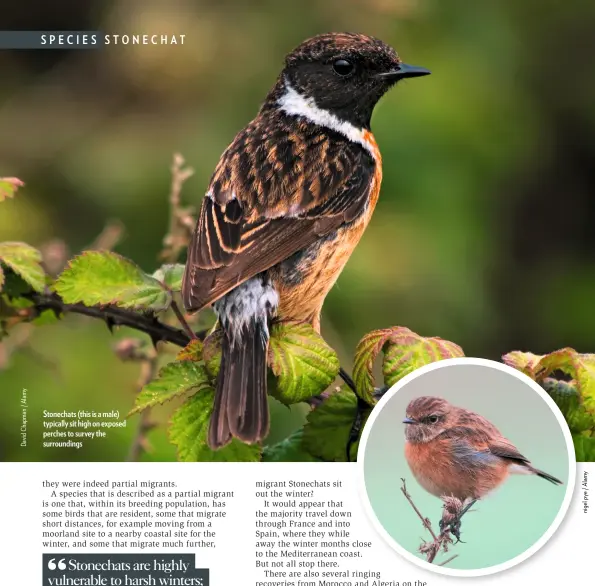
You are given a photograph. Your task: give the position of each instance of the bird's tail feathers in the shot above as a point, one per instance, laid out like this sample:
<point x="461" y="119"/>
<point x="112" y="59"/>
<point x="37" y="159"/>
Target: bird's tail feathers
<point x="545" y="475"/>
<point x="241" y="409"/>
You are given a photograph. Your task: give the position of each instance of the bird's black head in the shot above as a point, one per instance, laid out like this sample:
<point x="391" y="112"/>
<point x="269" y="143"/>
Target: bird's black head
<point x="344" y="74"/>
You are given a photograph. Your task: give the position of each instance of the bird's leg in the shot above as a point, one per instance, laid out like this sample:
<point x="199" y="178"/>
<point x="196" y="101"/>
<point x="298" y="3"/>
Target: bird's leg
<point x="455" y="527"/>
<point x="453" y="522"/>
<point x="467" y="507"/>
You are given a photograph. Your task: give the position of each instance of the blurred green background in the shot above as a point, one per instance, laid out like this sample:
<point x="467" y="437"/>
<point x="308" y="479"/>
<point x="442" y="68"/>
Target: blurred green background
<point x="484" y="229"/>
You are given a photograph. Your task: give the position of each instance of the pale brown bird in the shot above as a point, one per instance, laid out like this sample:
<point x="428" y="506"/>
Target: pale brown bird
<point x="455" y="452"/>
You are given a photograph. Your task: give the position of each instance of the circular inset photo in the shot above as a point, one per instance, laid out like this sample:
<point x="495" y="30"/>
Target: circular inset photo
<point x="467" y="467"/>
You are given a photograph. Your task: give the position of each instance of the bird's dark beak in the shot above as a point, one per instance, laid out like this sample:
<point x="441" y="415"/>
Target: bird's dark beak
<point x="402" y="71"/>
<point x="408" y="420"/>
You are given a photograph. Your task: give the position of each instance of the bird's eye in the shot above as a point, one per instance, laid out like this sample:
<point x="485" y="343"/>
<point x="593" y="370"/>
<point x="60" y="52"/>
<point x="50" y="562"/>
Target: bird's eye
<point x="343" y="67"/>
<point x="433" y="418"/>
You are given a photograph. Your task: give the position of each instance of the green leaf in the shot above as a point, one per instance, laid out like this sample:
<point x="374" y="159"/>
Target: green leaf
<point x="192" y="351"/>
<point x="580" y="367"/>
<point x="302" y="362"/>
<point x="563" y="360"/>
<point x="21" y="303"/>
<point x="328" y="426"/>
<point x="14" y="285"/>
<point x="585" y="376"/>
<point x="291" y="449"/>
<point x="9" y="187"/>
<point x="568" y="400"/>
<point x="25" y="261"/>
<point x="407" y="351"/>
<point x="171" y="276"/>
<point x="540" y="366"/>
<point x="188" y="431"/>
<point x="1" y="278"/>
<point x="174" y="380"/>
<point x="211" y="353"/>
<point x="523" y="361"/>
<point x="584" y="448"/>
<point x="46" y="317"/>
<point x="404" y="352"/>
<point x="106" y="278"/>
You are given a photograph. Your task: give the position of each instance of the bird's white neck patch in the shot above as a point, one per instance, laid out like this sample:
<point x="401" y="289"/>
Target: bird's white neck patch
<point x="295" y="104"/>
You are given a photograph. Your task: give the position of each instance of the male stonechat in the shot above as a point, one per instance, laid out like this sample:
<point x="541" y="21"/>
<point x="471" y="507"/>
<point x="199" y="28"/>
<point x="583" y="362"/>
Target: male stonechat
<point x="288" y="202"/>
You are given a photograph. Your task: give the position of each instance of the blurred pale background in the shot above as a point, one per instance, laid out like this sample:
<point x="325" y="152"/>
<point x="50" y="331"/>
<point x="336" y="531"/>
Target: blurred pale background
<point x="483" y="233"/>
<point x="508" y="521"/>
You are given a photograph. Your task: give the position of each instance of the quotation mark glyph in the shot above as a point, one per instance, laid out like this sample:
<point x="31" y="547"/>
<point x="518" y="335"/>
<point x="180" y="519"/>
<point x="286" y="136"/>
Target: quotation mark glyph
<point x="60" y="566"/>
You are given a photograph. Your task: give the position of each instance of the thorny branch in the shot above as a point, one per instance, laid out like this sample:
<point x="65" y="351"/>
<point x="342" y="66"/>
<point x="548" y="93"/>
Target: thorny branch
<point x="55" y="254"/>
<point x="134" y="349"/>
<point x="177" y="238"/>
<point x="181" y="224"/>
<point x="145" y="323"/>
<point x="452" y="508"/>
<point x="182" y="319"/>
<point x="181" y="220"/>
<point x="114" y="316"/>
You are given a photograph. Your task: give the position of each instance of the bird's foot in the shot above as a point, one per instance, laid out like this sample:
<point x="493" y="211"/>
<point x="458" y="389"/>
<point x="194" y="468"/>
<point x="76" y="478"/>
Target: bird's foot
<point x="452" y="515"/>
<point x="454" y="527"/>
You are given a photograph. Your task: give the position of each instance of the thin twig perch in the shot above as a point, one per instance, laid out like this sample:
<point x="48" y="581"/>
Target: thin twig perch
<point x="182" y="319"/>
<point x="443" y="539"/>
<point x="136" y="350"/>
<point x="181" y="220"/>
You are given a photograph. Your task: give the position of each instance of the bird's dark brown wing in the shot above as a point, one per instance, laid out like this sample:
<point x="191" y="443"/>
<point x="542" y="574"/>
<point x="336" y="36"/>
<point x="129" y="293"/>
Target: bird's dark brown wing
<point x="273" y="193"/>
<point x="472" y="441"/>
<point x="497" y="444"/>
<point x="505" y="449"/>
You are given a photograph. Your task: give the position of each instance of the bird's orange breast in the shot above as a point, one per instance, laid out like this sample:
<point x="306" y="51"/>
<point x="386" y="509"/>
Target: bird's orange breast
<point x="303" y="301"/>
<point x="376" y="180"/>
<point x="430" y="464"/>
<point x="434" y="466"/>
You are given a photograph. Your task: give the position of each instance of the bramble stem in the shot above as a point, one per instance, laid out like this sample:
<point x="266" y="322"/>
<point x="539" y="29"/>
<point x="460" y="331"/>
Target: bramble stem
<point x="183" y="321"/>
<point x="439" y="542"/>
<point x="114" y="316"/>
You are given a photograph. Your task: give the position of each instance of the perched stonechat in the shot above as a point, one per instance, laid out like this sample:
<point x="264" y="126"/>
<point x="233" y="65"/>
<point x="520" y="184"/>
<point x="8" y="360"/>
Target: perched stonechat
<point x="455" y="452"/>
<point x="288" y="202"/>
